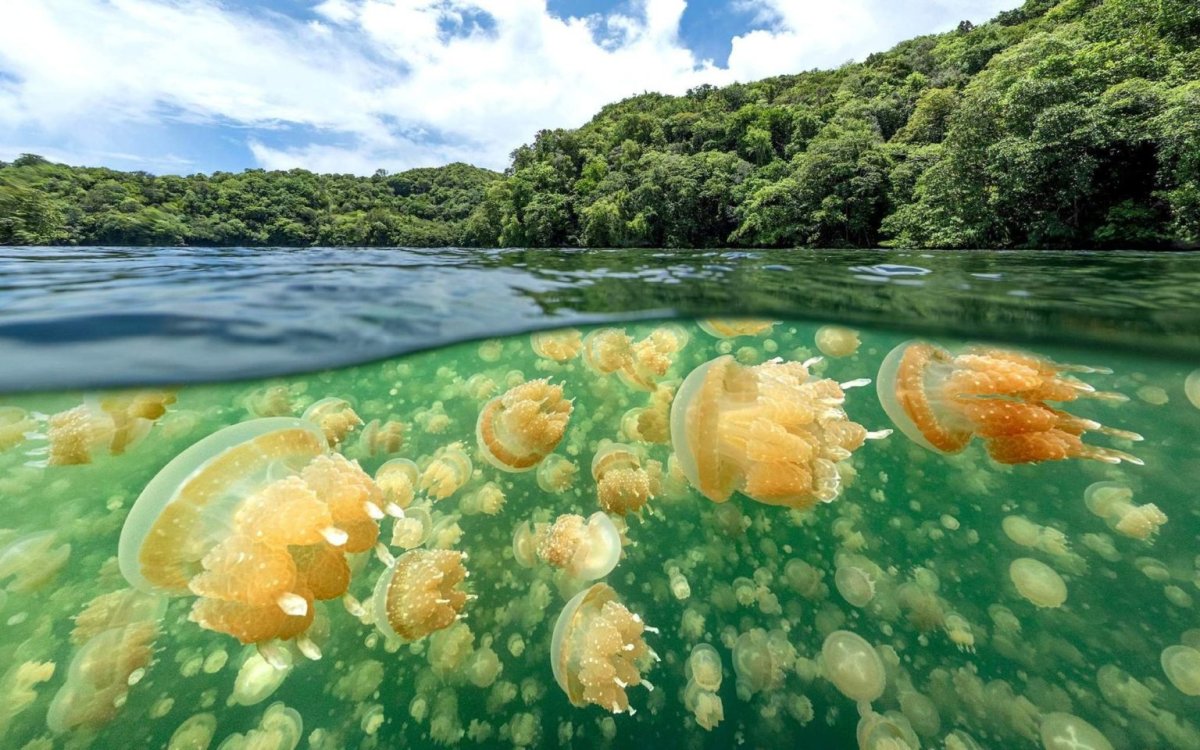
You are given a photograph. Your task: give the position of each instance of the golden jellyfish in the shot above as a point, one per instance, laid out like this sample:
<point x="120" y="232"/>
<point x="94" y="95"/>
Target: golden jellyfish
<point x="488" y="500"/>
<point x="517" y="430"/>
<point x="607" y="350"/>
<point x="397" y="479"/>
<point x="18" y="689"/>
<point x="767" y="431"/>
<point x="1062" y="731"/>
<point x="853" y="666"/>
<point x="941" y="401"/>
<point x="195" y="733"/>
<point x="651" y="423"/>
<point x="586" y="549"/>
<point x="15" y="422"/>
<point x="562" y="345"/>
<point x="257" y="679"/>
<point x="556" y="474"/>
<point x="254" y="520"/>
<point x="1181" y="665"/>
<point x="622" y="485"/>
<point x="703" y="673"/>
<point x="1114" y="503"/>
<point x="100" y="676"/>
<point x="30" y="561"/>
<point x="446" y="472"/>
<point x="704" y="667"/>
<point x="414" y="529"/>
<point x="1038" y="583"/>
<point x="761" y="661"/>
<point x="598" y="650"/>
<point x="728" y="328"/>
<point x="111" y="423"/>
<point x="650" y="358"/>
<point x="269" y="401"/>
<point x="524" y="545"/>
<point x="116" y="609"/>
<point x="335" y="416"/>
<point x="836" y="341"/>
<point x="280" y="728"/>
<point x="380" y="438"/>
<point x="420" y="593"/>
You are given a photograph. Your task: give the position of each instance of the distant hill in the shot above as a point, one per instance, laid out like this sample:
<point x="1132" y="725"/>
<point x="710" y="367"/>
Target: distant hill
<point x="1064" y="123"/>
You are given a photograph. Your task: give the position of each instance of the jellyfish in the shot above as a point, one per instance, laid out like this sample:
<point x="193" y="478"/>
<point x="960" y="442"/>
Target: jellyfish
<point x="269" y="401"/>
<point x="836" y="341"/>
<point x="562" y="345"/>
<point x="1191" y="387"/>
<point x="704" y="667"/>
<point x="112" y="423"/>
<point x="1181" y="665"/>
<point x="15" y="422"/>
<point x="598" y="651"/>
<point x="100" y="676"/>
<point x="258" y="679"/>
<point x="31" y="561"/>
<point x="728" y="328"/>
<point x="853" y="666"/>
<point x="380" y="438"/>
<point x="761" y="661"/>
<point x="650" y="358"/>
<point x="397" y="479"/>
<point x="517" y="430"/>
<point x="433" y="420"/>
<point x="414" y="529"/>
<point x="116" y="609"/>
<point x="607" y="350"/>
<point x="194" y="733"/>
<point x="651" y="423"/>
<point x="446" y="472"/>
<point x="622" y="485"/>
<point x="854" y="584"/>
<point x="18" y="689"/>
<point x="941" y="401"/>
<point x="335" y="417"/>
<point x="525" y="544"/>
<point x="556" y="474"/>
<point x="488" y="499"/>
<point x="706" y="705"/>
<point x="280" y="728"/>
<point x="767" y="431"/>
<point x="1114" y="503"/>
<point x="586" y="549"/>
<point x="1038" y="583"/>
<point x="254" y="520"/>
<point x="1063" y="731"/>
<point x="420" y="593"/>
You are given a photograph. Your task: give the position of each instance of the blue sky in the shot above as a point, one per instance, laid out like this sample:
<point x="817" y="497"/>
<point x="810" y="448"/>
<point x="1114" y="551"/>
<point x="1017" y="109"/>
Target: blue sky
<point x="181" y="86"/>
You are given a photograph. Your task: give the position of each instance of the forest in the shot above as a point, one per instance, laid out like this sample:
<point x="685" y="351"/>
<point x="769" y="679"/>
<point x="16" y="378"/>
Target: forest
<point x="1060" y="124"/>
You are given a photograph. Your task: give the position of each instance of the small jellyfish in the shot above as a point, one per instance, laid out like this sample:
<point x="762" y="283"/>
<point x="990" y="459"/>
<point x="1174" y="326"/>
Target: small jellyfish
<point x="607" y="350"/>
<point x="941" y="401"/>
<point x="112" y="423"/>
<point x="269" y="401"/>
<point x="836" y="341"/>
<point x="488" y="500"/>
<point x="195" y="733"/>
<point x="1038" y="583"/>
<point x="335" y="417"/>
<point x="959" y="631"/>
<point x="651" y="358"/>
<point x="1062" y="731"/>
<point x="598" y="651"/>
<point x="704" y="667"/>
<point x="1191" y="387"/>
<point x="397" y="479"/>
<point x="761" y="661"/>
<point x="524" y="545"/>
<point x="767" y="431"/>
<point x="622" y="485"/>
<point x="433" y="419"/>
<point x="446" y="472"/>
<point x="15" y="422"/>
<point x="258" y="679"/>
<point x="280" y="728"/>
<point x="31" y="561"/>
<point x="116" y="609"/>
<point x="1181" y="665"/>
<point x="556" y="474"/>
<point x="855" y="585"/>
<point x="586" y="549"/>
<point x="651" y="423"/>
<point x="420" y="593"/>
<point x="853" y="666"/>
<point x="517" y="430"/>
<point x="413" y="530"/>
<point x="728" y="328"/>
<point x="1114" y="503"/>
<point x="561" y="345"/>
<point x="100" y="676"/>
<point x="380" y="438"/>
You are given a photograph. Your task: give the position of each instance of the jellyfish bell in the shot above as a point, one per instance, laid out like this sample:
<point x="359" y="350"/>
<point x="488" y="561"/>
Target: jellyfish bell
<point x="768" y="431"/>
<point x="890" y="731"/>
<point x="334" y="416"/>
<point x="704" y="667"/>
<point x="607" y="350"/>
<point x="257" y="679"/>
<point x="1038" y="583"/>
<point x="29" y="562"/>
<point x="518" y="429"/>
<point x="585" y="549"/>
<point x="116" y="609"/>
<point x="524" y="545"/>
<point x="556" y="473"/>
<point x="419" y="593"/>
<point x="380" y="438"/>
<point x="1063" y="731"/>
<point x="853" y="666"/>
<point x="941" y="401"/>
<point x="728" y="328"/>
<point x="597" y="651"/>
<point x="560" y="345"/>
<point x="1181" y="665"/>
<point x="1113" y="502"/>
<point x="622" y="485"/>
<point x="398" y="480"/>
<point x="446" y="472"/>
<point x="837" y="341"/>
<point x="100" y="676"/>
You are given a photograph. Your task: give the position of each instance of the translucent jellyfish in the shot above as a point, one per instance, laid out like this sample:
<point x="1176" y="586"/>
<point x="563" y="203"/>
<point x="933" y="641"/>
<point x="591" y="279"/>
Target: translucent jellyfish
<point x="651" y="423"/>
<point x="597" y="651"/>
<point x="99" y="677"/>
<point x="413" y="530"/>
<point x="279" y="729"/>
<point x="890" y="731"/>
<point x="562" y="345"/>
<point x="836" y="341"/>
<point x="706" y="705"/>
<point x="269" y="401"/>
<point x="767" y="431"/>
<point x="18" y="689"/>
<point x="761" y="661"/>
<point x="420" y="593"/>
<point x="622" y="485"/>
<point x="651" y="358"/>
<point x="195" y="733"/>
<point x="488" y="499"/>
<point x="1062" y="731"/>
<point x="380" y="438"/>
<point x="853" y="666"/>
<point x="397" y="479"/>
<point x="257" y="679"/>
<point x="855" y="585"/>
<point x="14" y="424"/>
<point x="959" y="631"/>
<point x="517" y="430"/>
<point x="110" y="423"/>
<point x="116" y="609"/>
<point x="446" y="472"/>
<point x="607" y="350"/>
<point x="556" y="474"/>
<point x="524" y="545"/>
<point x="433" y="419"/>
<point x="728" y="328"/>
<point x="335" y="416"/>
<point x="941" y="401"/>
<point x="1181" y="665"/>
<point x="31" y="561"/>
<point x="704" y="667"/>
<point x="254" y="520"/>
<point x="1191" y="387"/>
<point x="1038" y="582"/>
<point x="1114" y="503"/>
<point x="586" y="549"/>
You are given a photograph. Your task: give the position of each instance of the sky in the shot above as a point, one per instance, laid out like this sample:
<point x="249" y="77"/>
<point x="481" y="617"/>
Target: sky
<point x="184" y="86"/>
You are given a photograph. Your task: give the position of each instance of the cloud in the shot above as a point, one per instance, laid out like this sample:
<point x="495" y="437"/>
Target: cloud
<point x="382" y="83"/>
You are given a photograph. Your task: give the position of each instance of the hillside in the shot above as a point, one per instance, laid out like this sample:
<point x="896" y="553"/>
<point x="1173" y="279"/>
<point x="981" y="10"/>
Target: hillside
<point x="1065" y="123"/>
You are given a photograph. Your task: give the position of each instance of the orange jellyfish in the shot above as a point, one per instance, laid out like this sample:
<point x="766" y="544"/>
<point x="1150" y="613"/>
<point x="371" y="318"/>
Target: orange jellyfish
<point x="562" y="345"/>
<point x="598" y="651"/>
<point x="517" y="430"/>
<point x="254" y="520"/>
<point x="942" y="400"/>
<point x="728" y="328"/>
<point x="606" y="350"/>
<point x="113" y="422"/>
<point x="767" y="431"/>
<point x="586" y="548"/>
<point x="651" y="358"/>
<point x="622" y="485"/>
<point x="446" y="472"/>
<point x="419" y="593"/>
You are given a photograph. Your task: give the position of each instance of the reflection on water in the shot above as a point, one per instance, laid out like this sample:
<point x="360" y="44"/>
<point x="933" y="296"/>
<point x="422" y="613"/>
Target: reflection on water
<point x="732" y="533"/>
<point x="74" y="317"/>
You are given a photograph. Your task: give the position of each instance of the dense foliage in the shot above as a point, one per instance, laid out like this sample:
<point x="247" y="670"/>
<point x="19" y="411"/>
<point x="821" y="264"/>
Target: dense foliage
<point x="1064" y="123"/>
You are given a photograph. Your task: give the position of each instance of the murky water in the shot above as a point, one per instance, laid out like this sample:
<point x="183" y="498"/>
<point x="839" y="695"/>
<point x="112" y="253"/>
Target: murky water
<point x="909" y="549"/>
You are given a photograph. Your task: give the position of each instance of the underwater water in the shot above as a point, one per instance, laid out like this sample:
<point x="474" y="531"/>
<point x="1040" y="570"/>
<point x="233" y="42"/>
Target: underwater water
<point x="858" y="588"/>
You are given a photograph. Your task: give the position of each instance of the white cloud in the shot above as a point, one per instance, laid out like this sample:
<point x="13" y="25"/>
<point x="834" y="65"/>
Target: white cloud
<point x="397" y="83"/>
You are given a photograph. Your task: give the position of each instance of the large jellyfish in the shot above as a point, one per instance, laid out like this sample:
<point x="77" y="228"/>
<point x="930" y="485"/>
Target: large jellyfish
<point x="767" y="431"/>
<point x="255" y="520"/>
<point x="517" y="430"/>
<point x="941" y="401"/>
<point x="598" y="651"/>
<point x="419" y="593"/>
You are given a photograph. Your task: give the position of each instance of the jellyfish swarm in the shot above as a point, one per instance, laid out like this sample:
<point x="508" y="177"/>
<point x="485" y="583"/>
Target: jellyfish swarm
<point x="767" y="431"/>
<point x="598" y="650"/>
<point x="255" y="520"/>
<point x="516" y="430"/>
<point x="586" y="549"/>
<point x="942" y="400"/>
<point x="419" y="593"/>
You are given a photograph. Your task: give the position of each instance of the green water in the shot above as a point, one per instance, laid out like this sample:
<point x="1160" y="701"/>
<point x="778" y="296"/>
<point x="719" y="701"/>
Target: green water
<point x="928" y="524"/>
